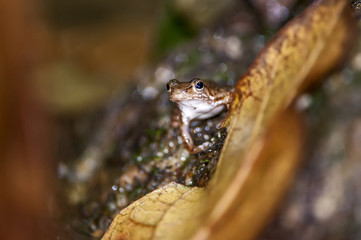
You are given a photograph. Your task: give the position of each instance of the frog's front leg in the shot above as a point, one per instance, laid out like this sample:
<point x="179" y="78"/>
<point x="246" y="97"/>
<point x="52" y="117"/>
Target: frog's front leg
<point x="188" y="141"/>
<point x="227" y="103"/>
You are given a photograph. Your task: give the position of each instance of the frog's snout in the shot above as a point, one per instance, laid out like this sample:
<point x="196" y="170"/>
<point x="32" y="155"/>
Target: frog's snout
<point x="172" y="83"/>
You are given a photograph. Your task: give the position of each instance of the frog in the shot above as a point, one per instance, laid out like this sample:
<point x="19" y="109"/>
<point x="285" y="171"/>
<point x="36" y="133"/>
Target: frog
<point x="197" y="100"/>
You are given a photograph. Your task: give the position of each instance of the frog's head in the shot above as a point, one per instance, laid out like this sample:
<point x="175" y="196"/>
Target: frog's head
<point x="196" y="89"/>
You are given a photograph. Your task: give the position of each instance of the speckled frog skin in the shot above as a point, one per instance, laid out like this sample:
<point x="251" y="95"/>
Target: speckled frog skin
<point x="197" y="99"/>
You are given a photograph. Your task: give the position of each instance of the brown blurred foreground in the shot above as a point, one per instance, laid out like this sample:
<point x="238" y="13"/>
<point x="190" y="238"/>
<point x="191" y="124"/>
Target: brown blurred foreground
<point x="46" y="70"/>
<point x="25" y="172"/>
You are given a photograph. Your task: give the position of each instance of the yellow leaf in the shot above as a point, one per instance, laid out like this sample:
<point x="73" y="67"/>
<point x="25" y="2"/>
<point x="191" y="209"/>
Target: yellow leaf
<point x="151" y="216"/>
<point x="250" y="198"/>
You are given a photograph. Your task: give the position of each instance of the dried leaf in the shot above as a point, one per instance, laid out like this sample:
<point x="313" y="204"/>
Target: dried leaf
<point x="259" y="184"/>
<point x="152" y="216"/>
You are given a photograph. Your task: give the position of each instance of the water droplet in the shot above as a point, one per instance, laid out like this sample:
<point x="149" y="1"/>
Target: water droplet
<point x="163" y="74"/>
<point x="233" y="47"/>
<point x="197" y="130"/>
<point x="188" y="182"/>
<point x="218" y="34"/>
<point x="303" y="102"/>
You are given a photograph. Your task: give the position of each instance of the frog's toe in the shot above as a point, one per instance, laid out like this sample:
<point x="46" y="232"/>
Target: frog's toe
<point x="221" y="124"/>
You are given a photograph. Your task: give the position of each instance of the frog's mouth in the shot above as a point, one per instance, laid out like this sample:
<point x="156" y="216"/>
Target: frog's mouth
<point x="184" y="95"/>
<point x="178" y="96"/>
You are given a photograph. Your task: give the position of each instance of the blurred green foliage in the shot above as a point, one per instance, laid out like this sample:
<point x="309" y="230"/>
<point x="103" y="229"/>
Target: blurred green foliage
<point x="173" y="29"/>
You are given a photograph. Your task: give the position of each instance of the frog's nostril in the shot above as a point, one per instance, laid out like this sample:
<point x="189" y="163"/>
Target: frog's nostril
<point x="173" y="82"/>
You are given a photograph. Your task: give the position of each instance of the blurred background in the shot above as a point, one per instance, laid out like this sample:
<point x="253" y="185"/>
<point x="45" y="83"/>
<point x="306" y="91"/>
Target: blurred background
<point x="63" y="62"/>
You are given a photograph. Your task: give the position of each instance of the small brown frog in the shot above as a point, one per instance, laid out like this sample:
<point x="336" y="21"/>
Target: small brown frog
<point x="197" y="100"/>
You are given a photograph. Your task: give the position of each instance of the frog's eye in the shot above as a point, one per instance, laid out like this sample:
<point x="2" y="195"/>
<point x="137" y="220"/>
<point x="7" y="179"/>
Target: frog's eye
<point x="168" y="87"/>
<point x="199" y="85"/>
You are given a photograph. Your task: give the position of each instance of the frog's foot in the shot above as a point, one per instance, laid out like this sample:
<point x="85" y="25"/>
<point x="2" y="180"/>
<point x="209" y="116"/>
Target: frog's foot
<point x="223" y="123"/>
<point x="200" y="148"/>
<point x="196" y="150"/>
